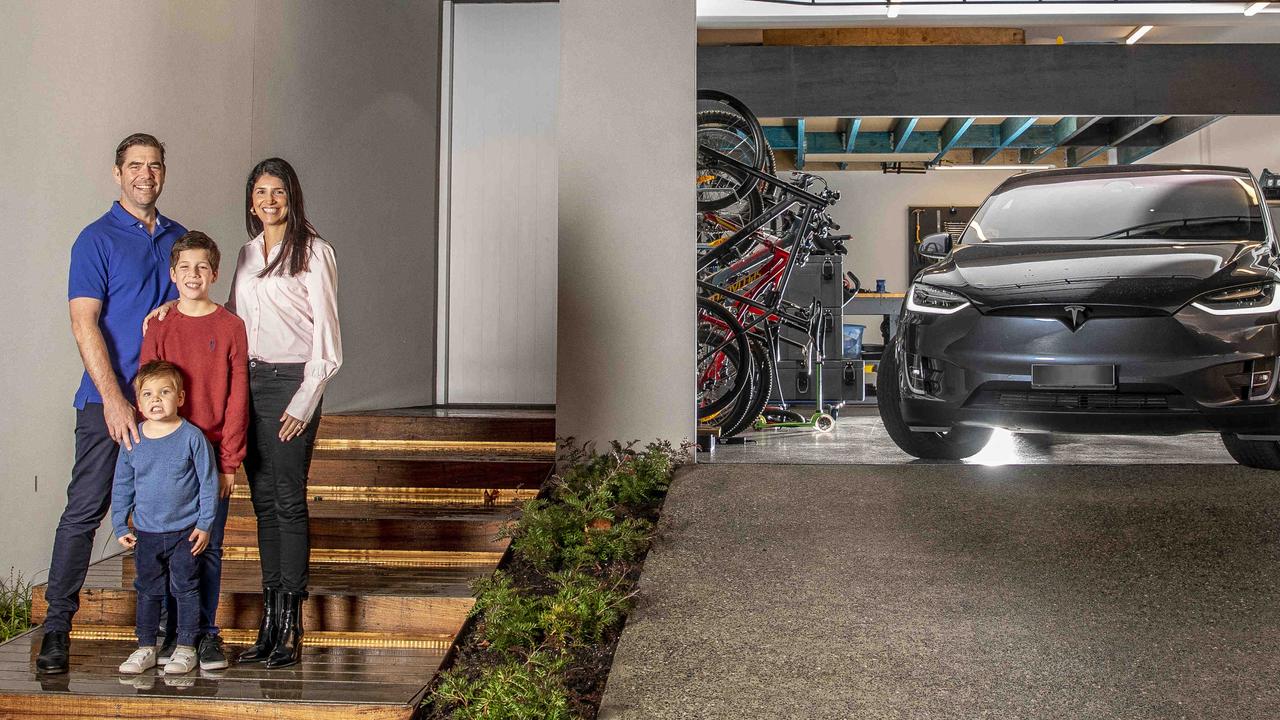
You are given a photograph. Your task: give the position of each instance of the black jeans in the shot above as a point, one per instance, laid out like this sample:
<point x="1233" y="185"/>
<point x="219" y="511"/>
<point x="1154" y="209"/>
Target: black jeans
<point x="164" y="562"/>
<point x="278" y="475"/>
<point x="88" y="497"/>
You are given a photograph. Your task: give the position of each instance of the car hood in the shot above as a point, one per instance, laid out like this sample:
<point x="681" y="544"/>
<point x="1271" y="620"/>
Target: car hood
<point x="1156" y="275"/>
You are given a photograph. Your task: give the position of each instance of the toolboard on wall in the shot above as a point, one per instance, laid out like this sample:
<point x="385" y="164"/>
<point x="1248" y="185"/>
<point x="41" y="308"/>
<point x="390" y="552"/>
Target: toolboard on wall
<point x="924" y="221"/>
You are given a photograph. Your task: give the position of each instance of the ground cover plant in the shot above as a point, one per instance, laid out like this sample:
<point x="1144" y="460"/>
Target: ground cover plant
<point x="545" y="625"/>
<point x="15" y="606"/>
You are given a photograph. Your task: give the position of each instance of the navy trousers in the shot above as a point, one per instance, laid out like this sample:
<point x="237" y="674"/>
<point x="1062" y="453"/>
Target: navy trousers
<point x="88" y="497"/>
<point x="209" y="565"/>
<point x="165" y="566"/>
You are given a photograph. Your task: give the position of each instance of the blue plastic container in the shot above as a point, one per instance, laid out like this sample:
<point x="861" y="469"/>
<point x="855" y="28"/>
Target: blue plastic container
<point x="853" y="340"/>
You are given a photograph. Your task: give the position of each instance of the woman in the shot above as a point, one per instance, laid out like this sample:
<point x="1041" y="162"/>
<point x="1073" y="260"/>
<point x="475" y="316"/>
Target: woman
<point x="285" y="290"/>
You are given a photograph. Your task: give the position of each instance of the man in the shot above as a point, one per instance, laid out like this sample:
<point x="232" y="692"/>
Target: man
<point x="119" y="273"/>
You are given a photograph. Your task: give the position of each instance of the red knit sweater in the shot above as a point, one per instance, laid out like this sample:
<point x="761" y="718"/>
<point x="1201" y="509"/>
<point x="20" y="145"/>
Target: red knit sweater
<point x="212" y="352"/>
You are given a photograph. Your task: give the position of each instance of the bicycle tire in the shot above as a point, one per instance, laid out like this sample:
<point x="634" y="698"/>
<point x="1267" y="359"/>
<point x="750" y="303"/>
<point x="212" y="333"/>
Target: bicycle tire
<point x="738" y="107"/>
<point x="726" y="368"/>
<point x="761" y="388"/>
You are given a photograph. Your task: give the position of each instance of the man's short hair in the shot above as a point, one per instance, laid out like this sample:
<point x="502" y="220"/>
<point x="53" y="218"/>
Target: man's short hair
<point x="142" y="139"/>
<point x="195" y="240"/>
<point x="157" y="369"/>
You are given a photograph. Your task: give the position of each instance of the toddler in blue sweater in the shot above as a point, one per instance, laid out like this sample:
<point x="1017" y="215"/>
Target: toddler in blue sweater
<point x="169" y="483"/>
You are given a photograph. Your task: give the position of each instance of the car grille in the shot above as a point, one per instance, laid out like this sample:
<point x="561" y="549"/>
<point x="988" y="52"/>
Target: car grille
<point x="1050" y="400"/>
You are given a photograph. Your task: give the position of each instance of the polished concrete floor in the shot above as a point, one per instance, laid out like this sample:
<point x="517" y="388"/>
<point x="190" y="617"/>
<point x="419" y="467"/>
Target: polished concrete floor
<point x="892" y="590"/>
<point x="860" y="439"/>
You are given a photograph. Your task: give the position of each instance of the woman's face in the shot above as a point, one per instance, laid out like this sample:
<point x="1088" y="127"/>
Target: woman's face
<point x="270" y="200"/>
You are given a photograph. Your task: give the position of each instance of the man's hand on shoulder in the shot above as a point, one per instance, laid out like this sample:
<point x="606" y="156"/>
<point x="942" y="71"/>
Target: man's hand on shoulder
<point x="159" y="314"/>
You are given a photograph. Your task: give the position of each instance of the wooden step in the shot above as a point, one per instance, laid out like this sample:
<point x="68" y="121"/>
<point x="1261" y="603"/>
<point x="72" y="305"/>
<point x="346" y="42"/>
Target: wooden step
<point x="337" y="528"/>
<point x="423" y="473"/>
<point x="343" y="598"/>
<point x="435" y="450"/>
<point x="380" y="558"/>
<point x="441" y="424"/>
<point x="445" y="497"/>
<point x="330" y="683"/>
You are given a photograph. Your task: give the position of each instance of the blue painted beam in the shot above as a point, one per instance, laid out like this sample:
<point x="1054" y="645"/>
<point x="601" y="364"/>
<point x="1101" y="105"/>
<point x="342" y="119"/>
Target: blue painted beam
<point x="954" y="129"/>
<point x="1010" y="130"/>
<point x="1064" y="131"/>
<point x="1171" y="131"/>
<point x="1121" y="129"/>
<point x="851" y="133"/>
<point x="902" y="130"/>
<point x="829" y="143"/>
<point x="800" y="143"/>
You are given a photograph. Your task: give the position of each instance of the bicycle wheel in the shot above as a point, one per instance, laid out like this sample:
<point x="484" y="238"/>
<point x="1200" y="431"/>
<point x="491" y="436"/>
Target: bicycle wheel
<point x="751" y="404"/>
<point x="716" y="226"/>
<point x="714" y="100"/>
<point x="729" y="127"/>
<point x="724" y="360"/>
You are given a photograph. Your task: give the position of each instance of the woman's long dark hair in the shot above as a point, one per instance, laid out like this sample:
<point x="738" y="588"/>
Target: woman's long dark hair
<point x="296" y="248"/>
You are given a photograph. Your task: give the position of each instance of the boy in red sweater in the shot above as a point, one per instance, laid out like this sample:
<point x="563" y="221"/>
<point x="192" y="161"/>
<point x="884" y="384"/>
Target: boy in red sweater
<point x="209" y="345"/>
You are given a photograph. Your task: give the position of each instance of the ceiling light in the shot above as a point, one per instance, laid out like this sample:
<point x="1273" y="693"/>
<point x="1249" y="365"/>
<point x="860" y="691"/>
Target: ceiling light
<point x="891" y="10"/>
<point x="1137" y="34"/>
<point x="1023" y="168"/>
<point x="1255" y="8"/>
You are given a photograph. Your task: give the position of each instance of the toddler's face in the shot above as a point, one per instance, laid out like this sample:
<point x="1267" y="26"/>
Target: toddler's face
<point x="159" y="399"/>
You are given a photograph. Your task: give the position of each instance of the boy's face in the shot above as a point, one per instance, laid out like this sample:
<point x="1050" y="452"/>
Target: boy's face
<point x="159" y="399"/>
<point x="193" y="274"/>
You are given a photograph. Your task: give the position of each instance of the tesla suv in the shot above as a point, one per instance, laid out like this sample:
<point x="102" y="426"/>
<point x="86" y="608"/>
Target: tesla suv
<point x="1123" y="299"/>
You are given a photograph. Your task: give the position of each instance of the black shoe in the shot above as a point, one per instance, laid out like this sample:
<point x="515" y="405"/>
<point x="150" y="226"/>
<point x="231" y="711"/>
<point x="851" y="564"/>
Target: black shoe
<point x="55" y="653"/>
<point x="210" y="653"/>
<point x="166" y="650"/>
<point x="261" y="649"/>
<point x="288" y="650"/>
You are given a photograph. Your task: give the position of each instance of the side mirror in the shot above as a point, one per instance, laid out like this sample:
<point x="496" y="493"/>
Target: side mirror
<point x="935" y="246"/>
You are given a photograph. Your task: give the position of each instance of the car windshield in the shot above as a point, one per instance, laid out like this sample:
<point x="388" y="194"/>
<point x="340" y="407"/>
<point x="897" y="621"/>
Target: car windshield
<point x="1179" y="206"/>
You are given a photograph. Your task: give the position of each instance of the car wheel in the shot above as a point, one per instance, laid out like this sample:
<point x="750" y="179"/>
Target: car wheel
<point x="956" y="444"/>
<point x="1263" y="454"/>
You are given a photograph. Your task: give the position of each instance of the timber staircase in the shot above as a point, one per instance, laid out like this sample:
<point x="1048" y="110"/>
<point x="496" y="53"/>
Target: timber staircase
<point x="404" y="508"/>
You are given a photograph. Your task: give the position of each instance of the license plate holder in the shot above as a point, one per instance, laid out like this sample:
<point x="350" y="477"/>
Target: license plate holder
<point x="1073" y="377"/>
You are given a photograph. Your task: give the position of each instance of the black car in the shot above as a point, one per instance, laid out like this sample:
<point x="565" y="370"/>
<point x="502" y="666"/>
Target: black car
<point x="1119" y="299"/>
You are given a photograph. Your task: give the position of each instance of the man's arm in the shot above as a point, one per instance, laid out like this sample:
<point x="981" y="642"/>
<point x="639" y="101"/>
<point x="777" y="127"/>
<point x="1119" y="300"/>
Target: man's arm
<point x="116" y="409"/>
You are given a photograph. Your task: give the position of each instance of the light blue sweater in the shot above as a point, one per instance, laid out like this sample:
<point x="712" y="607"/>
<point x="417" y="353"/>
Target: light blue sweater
<point x="168" y="483"/>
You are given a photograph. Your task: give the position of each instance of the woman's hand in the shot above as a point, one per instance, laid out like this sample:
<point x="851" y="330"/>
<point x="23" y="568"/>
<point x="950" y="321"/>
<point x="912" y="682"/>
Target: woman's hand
<point x="290" y="427"/>
<point x="159" y="314"/>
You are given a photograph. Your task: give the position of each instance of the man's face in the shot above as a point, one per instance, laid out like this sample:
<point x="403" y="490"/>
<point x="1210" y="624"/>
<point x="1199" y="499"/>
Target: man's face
<point x="141" y="177"/>
<point x="159" y="398"/>
<point x="193" y="274"/>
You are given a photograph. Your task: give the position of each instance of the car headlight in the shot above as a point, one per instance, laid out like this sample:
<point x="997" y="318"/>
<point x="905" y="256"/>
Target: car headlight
<point x="929" y="299"/>
<point x="1250" y="299"/>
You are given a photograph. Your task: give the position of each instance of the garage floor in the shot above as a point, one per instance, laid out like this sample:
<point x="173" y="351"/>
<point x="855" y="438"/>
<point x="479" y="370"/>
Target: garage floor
<point x="860" y="439"/>
<point x="917" y="591"/>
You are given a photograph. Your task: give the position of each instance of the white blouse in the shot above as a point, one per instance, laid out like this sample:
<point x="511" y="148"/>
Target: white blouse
<point x="291" y="319"/>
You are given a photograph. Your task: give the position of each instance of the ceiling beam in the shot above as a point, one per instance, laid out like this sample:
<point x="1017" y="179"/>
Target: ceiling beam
<point x="1010" y="130"/>
<point x="951" y="134"/>
<point x="800" y="143"/>
<point x="1064" y="131"/>
<point x="854" y="124"/>
<point x="902" y="132"/>
<point x="1171" y="131"/>
<point x="952" y="81"/>
<point x="1119" y="130"/>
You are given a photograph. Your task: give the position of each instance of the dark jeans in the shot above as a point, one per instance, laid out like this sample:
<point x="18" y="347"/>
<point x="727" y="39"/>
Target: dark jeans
<point x="278" y="475"/>
<point x="88" y="497"/>
<point x="209" y="565"/>
<point x="163" y="561"/>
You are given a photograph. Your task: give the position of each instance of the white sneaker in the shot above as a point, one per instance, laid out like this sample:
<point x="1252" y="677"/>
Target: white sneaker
<point x="183" y="661"/>
<point x="142" y="659"/>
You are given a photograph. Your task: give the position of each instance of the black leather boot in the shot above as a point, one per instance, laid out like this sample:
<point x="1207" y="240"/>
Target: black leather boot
<point x="288" y="649"/>
<point x="268" y="629"/>
<point x="55" y="651"/>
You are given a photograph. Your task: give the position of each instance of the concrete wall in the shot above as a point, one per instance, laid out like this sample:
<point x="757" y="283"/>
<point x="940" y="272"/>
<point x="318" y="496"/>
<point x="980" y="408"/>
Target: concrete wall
<point x="500" y="239"/>
<point x="625" y="335"/>
<point x="347" y="92"/>
<point x="1251" y="142"/>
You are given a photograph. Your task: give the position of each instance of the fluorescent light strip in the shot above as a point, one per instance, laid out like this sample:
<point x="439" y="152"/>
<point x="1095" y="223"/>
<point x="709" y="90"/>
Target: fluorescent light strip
<point x="1255" y="8"/>
<point x="891" y="10"/>
<point x="1137" y="34"/>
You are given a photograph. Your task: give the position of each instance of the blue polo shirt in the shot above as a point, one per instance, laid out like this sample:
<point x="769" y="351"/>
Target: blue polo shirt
<point x="117" y="261"/>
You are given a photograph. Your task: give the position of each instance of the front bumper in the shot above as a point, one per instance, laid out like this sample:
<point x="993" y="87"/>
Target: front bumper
<point x="1188" y="372"/>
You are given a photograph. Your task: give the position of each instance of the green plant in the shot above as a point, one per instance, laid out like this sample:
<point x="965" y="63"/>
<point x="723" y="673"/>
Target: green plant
<point x="509" y="618"/>
<point x="529" y="689"/>
<point x="582" y="610"/>
<point x="15" y="606"/>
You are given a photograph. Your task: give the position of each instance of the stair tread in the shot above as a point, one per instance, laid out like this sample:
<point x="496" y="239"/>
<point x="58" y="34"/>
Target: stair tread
<point x="350" y="676"/>
<point x="320" y="509"/>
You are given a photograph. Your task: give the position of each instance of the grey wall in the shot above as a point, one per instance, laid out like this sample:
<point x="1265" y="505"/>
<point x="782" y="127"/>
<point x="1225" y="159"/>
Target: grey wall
<point x="77" y="78"/>
<point x="1250" y="142"/>
<point x="501" y="230"/>
<point x="625" y="336"/>
<point x="346" y="91"/>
